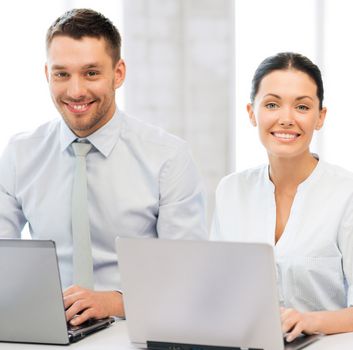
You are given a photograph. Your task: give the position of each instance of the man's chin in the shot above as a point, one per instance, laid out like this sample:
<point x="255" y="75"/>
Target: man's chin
<point x="84" y="125"/>
<point x="81" y="128"/>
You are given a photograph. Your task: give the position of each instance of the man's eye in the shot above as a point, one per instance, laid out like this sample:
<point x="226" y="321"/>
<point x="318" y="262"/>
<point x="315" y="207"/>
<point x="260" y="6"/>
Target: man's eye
<point x="92" y="73"/>
<point x="61" y="75"/>
<point x="271" y="105"/>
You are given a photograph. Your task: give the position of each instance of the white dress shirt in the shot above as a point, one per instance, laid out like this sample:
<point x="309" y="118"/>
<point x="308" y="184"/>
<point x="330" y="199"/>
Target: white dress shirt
<point x="142" y="182"/>
<point x="314" y="255"/>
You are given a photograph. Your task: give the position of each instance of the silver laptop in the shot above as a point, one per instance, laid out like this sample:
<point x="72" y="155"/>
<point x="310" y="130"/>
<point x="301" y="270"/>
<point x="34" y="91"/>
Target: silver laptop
<point x="197" y="295"/>
<point x="31" y="301"/>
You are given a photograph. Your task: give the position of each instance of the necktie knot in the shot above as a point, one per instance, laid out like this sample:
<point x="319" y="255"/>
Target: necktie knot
<point x="81" y="148"/>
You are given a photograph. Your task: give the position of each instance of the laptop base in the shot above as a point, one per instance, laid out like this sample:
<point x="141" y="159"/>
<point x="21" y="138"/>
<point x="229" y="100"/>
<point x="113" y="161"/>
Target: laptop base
<point x="298" y="343"/>
<point x="157" y="345"/>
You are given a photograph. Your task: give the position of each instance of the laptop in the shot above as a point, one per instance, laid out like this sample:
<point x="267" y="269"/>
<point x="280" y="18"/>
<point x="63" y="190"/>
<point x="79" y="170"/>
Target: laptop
<point x="201" y="295"/>
<point x="31" y="300"/>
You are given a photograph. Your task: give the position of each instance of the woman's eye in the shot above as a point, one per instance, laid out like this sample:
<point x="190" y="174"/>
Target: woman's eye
<point x="303" y="108"/>
<point x="271" y="105"/>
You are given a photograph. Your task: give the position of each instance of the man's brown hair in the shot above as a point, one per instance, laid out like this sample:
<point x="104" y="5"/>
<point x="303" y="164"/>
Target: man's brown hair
<point x="79" y="23"/>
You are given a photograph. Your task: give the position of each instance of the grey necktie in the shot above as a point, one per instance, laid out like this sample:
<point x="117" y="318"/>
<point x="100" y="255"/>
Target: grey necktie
<point x="82" y="250"/>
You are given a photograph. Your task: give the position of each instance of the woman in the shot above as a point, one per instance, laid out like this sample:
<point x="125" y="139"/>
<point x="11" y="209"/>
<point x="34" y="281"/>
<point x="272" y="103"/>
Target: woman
<point x="298" y="203"/>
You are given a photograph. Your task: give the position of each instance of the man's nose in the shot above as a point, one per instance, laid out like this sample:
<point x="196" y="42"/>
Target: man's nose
<point x="76" y="88"/>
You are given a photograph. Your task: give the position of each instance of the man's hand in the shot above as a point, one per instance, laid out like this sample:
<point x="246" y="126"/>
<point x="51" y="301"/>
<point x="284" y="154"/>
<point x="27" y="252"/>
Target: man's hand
<point x="82" y="304"/>
<point x="294" y="323"/>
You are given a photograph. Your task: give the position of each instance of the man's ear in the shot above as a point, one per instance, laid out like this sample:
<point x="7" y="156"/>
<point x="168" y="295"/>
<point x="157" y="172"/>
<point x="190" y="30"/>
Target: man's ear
<point x="119" y="73"/>
<point x="250" y="109"/>
<point x="321" y="120"/>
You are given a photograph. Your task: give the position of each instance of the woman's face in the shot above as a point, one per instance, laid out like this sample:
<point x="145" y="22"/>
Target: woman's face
<point x="286" y="111"/>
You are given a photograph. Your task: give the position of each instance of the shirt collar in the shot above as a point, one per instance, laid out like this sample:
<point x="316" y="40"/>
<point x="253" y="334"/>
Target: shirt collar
<point x="104" y="139"/>
<point x="266" y="178"/>
<point x="310" y="179"/>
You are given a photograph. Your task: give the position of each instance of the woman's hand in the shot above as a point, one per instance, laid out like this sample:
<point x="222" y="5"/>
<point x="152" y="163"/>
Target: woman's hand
<point x="294" y="323"/>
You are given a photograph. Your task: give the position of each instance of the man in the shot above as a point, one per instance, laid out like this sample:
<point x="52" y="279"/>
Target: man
<point x="141" y="181"/>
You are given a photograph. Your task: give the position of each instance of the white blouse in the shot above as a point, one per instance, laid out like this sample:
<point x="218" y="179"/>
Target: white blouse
<point x="314" y="255"/>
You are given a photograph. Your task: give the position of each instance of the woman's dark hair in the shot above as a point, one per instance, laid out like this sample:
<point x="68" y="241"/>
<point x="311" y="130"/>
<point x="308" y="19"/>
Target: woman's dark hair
<point x="284" y="61"/>
<point x="78" y="23"/>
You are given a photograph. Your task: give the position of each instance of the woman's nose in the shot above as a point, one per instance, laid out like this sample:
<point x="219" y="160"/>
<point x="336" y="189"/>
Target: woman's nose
<point x="286" y="118"/>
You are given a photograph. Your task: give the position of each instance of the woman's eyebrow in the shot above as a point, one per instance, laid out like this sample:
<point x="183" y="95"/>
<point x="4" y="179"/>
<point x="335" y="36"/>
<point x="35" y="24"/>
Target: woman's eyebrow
<point x="273" y="95"/>
<point x="303" y="97"/>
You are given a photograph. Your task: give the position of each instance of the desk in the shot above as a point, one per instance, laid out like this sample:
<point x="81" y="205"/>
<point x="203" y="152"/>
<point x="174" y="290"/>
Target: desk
<point x="116" y="338"/>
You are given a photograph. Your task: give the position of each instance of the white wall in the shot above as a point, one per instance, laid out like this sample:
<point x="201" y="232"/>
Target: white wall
<point x="338" y="61"/>
<point x="25" y="101"/>
<point x="262" y="29"/>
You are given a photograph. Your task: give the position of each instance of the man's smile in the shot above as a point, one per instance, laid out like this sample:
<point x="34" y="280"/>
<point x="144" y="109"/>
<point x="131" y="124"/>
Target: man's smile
<point x="80" y="107"/>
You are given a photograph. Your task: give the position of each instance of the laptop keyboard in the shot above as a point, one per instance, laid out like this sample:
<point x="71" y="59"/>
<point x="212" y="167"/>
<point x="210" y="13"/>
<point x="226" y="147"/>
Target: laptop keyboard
<point x="90" y="326"/>
<point x="88" y="323"/>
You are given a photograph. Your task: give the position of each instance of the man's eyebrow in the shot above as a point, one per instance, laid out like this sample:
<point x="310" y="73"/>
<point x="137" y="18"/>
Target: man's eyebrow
<point x="91" y="65"/>
<point x="86" y="66"/>
<point x="58" y="67"/>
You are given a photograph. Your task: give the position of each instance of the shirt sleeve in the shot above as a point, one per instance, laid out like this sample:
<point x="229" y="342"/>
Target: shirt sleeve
<point x="345" y="243"/>
<point x="182" y="205"/>
<point x="217" y="233"/>
<point x="215" y="229"/>
<point x="12" y="219"/>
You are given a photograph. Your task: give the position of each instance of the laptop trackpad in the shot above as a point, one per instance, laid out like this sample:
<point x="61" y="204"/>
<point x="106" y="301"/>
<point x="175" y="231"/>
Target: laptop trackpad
<point x="301" y="342"/>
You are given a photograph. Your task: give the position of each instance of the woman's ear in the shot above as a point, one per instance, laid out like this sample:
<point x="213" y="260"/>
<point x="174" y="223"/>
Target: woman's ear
<point x="321" y="120"/>
<point x="251" y="114"/>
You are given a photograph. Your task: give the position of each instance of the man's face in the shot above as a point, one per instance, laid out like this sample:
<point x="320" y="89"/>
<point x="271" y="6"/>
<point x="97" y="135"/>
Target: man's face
<point x="82" y="82"/>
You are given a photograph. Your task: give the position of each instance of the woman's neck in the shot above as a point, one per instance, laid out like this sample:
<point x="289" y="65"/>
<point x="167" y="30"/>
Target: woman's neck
<point x="288" y="173"/>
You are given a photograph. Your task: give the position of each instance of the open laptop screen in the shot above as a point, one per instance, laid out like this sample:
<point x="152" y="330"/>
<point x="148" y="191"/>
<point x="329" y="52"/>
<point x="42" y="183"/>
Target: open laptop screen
<point x="221" y="294"/>
<point x="31" y="304"/>
<point x="31" y="301"/>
